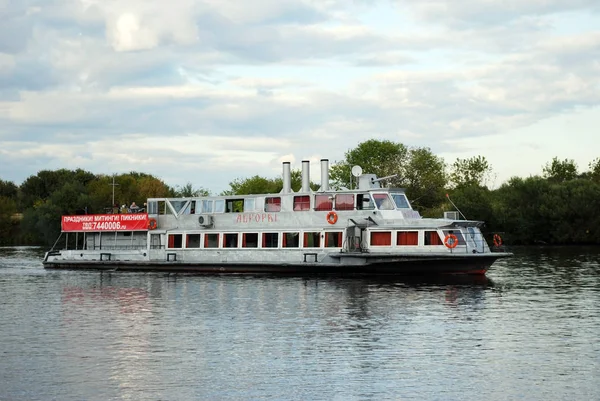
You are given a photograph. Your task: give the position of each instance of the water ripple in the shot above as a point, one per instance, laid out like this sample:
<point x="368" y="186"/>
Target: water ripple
<point x="527" y="331"/>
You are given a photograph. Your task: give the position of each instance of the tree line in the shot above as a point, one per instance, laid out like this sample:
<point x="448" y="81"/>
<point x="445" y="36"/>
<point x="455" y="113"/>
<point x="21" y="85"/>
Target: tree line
<point x="559" y="206"/>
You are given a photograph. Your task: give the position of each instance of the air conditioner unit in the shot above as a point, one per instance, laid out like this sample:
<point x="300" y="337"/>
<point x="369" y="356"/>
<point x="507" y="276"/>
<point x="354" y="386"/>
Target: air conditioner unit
<point x="451" y="215"/>
<point x="205" y="220"/>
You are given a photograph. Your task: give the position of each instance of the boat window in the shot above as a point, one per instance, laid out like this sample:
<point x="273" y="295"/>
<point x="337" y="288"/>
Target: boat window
<point x="193" y="241"/>
<point x="152" y="207"/>
<point x="162" y="208"/>
<point x="433" y="238"/>
<point x="250" y="240"/>
<point x="312" y="240"/>
<point x="301" y="203"/>
<point x="211" y="240"/>
<point x="270" y="240"/>
<point x="234" y="206"/>
<point x="273" y="204"/>
<point x="364" y="202"/>
<point x="333" y="239"/>
<point x="400" y="201"/>
<point x="207" y="206"/>
<point x="230" y="240"/>
<point x="459" y="236"/>
<point x="383" y="202"/>
<point x="407" y="238"/>
<point x="323" y="202"/>
<point x="379" y="238"/>
<point x="344" y="202"/>
<point x="291" y="240"/>
<point x="188" y="208"/>
<point x="178" y="205"/>
<point x="175" y="241"/>
<point x="219" y="206"/>
<point x="249" y="205"/>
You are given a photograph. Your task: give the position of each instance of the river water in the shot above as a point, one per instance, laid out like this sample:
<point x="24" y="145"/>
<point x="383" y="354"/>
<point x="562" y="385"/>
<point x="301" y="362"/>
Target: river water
<point x="529" y="331"/>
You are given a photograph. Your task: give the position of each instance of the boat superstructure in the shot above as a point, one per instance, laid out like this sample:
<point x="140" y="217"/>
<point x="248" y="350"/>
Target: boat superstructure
<point x="368" y="230"/>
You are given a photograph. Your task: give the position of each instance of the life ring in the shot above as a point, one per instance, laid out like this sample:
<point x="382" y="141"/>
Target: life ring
<point x="497" y="240"/>
<point x="332" y="217"/>
<point x="152" y="224"/>
<point x="451" y="241"/>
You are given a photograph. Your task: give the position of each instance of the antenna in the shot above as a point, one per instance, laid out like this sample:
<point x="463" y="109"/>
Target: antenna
<point x="113" y="190"/>
<point x="461" y="213"/>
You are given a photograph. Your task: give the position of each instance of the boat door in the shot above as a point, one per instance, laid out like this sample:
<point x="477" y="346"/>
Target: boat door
<point x="354" y="237"/>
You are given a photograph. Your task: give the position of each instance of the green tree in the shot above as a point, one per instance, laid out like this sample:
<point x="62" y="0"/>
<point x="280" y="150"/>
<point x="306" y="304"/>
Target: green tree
<point x="560" y="171"/>
<point x="8" y="189"/>
<point x="8" y="210"/>
<point x="425" y="180"/>
<point x="262" y="185"/>
<point x="253" y="185"/>
<point x="472" y="171"/>
<point x="188" y="191"/>
<point x="42" y="185"/>
<point x="517" y="208"/>
<point x="594" y="172"/>
<point x="383" y="158"/>
<point x="152" y="187"/>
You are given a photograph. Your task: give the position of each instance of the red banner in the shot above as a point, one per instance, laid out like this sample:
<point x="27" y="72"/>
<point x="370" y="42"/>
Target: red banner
<point x="105" y="222"/>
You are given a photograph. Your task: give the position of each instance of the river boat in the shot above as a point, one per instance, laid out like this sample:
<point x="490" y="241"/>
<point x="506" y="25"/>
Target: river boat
<point x="368" y="230"/>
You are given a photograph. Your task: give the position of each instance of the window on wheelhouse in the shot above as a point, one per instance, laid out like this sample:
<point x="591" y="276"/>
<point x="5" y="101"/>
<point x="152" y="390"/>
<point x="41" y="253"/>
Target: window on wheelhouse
<point x="152" y="207"/>
<point x="323" y="202"/>
<point x="433" y="238"/>
<point x="400" y="200"/>
<point x="219" y="205"/>
<point x="383" y="202"/>
<point x="177" y="205"/>
<point x="189" y="208"/>
<point x="333" y="239"/>
<point x="381" y="238"/>
<point x="407" y="238"/>
<point x="312" y="240"/>
<point x="234" y="206"/>
<point x="206" y="206"/>
<point x="230" y="240"/>
<point x="273" y="204"/>
<point x="249" y="205"/>
<point x="211" y="240"/>
<point x="364" y="202"/>
<point x="270" y="240"/>
<point x="301" y="203"/>
<point x="290" y="240"/>
<point x="344" y="202"/>
<point x="250" y="240"/>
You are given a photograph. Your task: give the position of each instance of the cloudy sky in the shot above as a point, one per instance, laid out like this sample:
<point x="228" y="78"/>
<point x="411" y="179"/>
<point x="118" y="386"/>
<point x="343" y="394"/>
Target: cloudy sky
<point x="204" y="91"/>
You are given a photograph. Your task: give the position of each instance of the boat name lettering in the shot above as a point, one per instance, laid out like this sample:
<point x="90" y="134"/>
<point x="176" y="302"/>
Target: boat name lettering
<point x="256" y="218"/>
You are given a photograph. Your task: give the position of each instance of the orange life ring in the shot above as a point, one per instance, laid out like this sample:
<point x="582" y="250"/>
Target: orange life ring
<point x="332" y="217"/>
<point x="497" y="240"/>
<point x="451" y="241"/>
<point x="152" y="224"/>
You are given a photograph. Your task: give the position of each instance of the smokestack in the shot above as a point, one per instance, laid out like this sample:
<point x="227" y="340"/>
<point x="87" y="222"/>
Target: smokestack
<point x="324" y="175"/>
<point x="287" y="178"/>
<point x="305" y="176"/>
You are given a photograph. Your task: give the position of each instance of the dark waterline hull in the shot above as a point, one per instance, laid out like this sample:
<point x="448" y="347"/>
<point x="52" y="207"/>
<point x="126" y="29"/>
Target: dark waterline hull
<point x="391" y="267"/>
